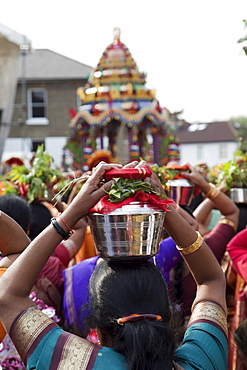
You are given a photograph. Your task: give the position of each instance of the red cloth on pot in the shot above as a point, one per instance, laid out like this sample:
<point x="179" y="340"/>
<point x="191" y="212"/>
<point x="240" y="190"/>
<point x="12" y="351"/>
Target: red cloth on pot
<point x="128" y="173"/>
<point x="105" y="207"/>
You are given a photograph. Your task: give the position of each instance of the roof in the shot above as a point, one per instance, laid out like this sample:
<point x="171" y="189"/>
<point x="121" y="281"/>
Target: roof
<point x="13" y="36"/>
<point x="44" y="64"/>
<point x="207" y="132"/>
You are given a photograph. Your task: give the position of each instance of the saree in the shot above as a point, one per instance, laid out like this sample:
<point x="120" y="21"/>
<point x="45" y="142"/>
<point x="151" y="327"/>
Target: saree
<point x="9" y="357"/>
<point x="236" y="359"/>
<point x="2" y="330"/>
<point x="44" y="345"/>
<point x="205" y="344"/>
<point x="237" y="249"/>
<point x="87" y="249"/>
<point x="76" y="295"/>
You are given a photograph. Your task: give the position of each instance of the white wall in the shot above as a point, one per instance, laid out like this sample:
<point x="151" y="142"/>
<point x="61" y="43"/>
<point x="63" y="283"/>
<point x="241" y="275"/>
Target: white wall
<point x="209" y="153"/>
<point x="9" y="64"/>
<point x="54" y="146"/>
<point x="10" y="42"/>
<point x="18" y="147"/>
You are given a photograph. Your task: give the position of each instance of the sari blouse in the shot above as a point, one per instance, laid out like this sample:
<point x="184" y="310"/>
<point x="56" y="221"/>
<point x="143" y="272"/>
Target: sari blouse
<point x="42" y="344"/>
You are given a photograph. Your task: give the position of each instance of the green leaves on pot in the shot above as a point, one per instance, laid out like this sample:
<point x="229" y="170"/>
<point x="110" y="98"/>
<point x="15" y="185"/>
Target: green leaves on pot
<point x="124" y="188"/>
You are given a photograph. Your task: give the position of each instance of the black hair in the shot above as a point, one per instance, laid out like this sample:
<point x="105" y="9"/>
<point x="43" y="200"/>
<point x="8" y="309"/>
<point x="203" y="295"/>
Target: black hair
<point x="179" y="268"/>
<point x="118" y="290"/>
<point x="242" y="223"/>
<point x="17" y="208"/>
<point x="40" y="219"/>
<point x="177" y="284"/>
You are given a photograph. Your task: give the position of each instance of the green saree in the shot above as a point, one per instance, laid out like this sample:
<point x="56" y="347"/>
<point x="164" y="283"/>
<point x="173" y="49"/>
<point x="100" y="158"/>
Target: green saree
<point x="42" y="344"/>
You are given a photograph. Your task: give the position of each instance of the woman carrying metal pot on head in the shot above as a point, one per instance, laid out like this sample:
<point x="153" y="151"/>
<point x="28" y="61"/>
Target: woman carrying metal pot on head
<point x="129" y="303"/>
<point x="183" y="285"/>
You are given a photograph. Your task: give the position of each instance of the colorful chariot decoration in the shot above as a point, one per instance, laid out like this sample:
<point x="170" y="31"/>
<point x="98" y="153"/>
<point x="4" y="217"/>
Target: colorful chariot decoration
<point x="119" y="119"/>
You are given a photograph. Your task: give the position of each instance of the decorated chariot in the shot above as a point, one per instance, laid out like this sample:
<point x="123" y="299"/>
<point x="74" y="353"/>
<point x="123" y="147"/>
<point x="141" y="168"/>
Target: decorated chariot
<point x="119" y="118"/>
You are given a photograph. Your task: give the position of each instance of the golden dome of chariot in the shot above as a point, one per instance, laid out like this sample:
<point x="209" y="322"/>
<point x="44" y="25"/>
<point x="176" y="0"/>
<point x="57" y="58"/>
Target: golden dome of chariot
<point x="116" y="77"/>
<point x="116" y="96"/>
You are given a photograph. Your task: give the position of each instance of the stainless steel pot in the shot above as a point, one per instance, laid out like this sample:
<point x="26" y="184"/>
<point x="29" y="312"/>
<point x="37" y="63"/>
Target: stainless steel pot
<point x="180" y="190"/>
<point x="238" y="195"/>
<point x="130" y="233"/>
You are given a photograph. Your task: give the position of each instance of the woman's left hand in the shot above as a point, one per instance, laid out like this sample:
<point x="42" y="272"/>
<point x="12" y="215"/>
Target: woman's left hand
<point x="153" y="180"/>
<point x="194" y="176"/>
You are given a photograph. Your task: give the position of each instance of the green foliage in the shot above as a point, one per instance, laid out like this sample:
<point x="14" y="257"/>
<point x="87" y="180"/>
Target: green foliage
<point x="164" y="173"/>
<point x="233" y="172"/>
<point x="37" y="182"/>
<point x="241" y="131"/>
<point x="124" y="188"/>
<point x="160" y="172"/>
<point x="244" y="39"/>
<point x="41" y="166"/>
<point x="76" y="149"/>
<point x="7" y="188"/>
<point x="19" y="173"/>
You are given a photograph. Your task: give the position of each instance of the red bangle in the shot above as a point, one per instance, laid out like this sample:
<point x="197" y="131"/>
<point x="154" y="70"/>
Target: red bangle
<point x="65" y="223"/>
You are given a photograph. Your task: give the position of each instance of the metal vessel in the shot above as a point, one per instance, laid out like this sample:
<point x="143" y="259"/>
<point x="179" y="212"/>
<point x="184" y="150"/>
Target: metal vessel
<point x="130" y="233"/>
<point x="238" y="195"/>
<point x="180" y="190"/>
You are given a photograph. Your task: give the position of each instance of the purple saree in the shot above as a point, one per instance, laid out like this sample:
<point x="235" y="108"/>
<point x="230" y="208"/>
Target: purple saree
<point x="76" y="280"/>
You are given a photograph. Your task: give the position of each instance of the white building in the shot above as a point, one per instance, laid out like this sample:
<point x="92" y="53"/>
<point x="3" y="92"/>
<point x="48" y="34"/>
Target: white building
<point x="211" y="143"/>
<point x="11" y="45"/>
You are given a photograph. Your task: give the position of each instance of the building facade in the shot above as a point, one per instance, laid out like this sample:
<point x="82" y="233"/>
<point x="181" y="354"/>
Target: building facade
<point x="45" y="101"/>
<point x="211" y="143"/>
<point x="11" y="45"/>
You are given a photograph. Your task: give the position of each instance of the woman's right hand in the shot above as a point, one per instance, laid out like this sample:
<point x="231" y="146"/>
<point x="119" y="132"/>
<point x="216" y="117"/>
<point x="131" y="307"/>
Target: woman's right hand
<point x="153" y="180"/>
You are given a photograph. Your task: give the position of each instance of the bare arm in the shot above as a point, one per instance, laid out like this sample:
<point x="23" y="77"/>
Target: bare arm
<point x="16" y="283"/>
<point x="74" y="243"/>
<point x="13" y="239"/>
<point x="202" y="263"/>
<point x="222" y="202"/>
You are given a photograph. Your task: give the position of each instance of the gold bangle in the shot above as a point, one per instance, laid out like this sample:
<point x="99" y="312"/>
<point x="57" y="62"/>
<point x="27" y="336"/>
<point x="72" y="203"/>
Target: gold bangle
<point x="213" y="192"/>
<point x="227" y="222"/>
<point x="193" y="247"/>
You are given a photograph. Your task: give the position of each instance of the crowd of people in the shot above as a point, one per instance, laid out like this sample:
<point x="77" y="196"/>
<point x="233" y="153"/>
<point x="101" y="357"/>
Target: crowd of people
<point x="63" y="306"/>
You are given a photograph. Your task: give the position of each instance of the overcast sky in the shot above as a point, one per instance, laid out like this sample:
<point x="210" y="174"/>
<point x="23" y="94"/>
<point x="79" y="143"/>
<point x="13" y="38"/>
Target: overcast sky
<point x="188" y="48"/>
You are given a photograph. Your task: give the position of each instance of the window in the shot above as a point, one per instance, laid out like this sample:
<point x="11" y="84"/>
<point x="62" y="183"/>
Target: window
<point x="37" y="103"/>
<point x="200" y="151"/>
<point x="37" y="143"/>
<point x="223" y="151"/>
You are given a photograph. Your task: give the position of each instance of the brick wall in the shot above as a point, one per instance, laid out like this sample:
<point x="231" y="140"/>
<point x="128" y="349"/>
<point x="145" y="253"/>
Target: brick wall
<point x="61" y="96"/>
